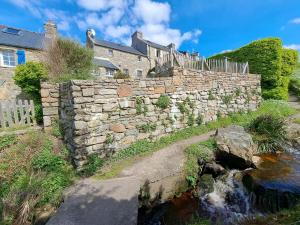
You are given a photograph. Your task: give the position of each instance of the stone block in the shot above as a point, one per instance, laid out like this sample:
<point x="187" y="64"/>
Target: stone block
<point x="50" y="111"/>
<point x="124" y="91"/>
<point x="78" y="125"/>
<point x="159" y="90"/>
<point x="109" y="107"/>
<point x="117" y="127"/>
<point x="44" y="93"/>
<point x="87" y="92"/>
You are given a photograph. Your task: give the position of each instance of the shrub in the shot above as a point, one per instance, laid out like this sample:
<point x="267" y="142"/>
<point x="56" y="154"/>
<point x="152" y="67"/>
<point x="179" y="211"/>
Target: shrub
<point x="138" y="105"/>
<point x="67" y="59"/>
<point x="120" y="75"/>
<point x="268" y="58"/>
<point x="227" y="99"/>
<point x="163" y="102"/>
<point x="199" y="119"/>
<point x="269" y="132"/>
<point x="28" y="77"/>
<point x="210" y="96"/>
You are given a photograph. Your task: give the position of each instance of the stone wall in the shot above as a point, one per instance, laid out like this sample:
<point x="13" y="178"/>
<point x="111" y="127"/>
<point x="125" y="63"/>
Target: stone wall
<point x="106" y="115"/>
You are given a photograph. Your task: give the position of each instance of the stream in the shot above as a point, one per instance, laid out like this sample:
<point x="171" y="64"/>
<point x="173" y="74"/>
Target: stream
<point x="273" y="186"/>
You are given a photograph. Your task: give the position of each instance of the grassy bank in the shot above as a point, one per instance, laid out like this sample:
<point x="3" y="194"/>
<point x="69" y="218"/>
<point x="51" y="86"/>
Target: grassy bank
<point x="34" y="171"/>
<point x="128" y="156"/>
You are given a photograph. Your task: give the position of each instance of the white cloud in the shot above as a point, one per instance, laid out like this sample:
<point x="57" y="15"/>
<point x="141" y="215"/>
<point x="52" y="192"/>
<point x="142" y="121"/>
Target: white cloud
<point x="293" y="46"/>
<point x="115" y="20"/>
<point x="96" y="5"/>
<point x="151" y="12"/>
<point x="295" y="21"/>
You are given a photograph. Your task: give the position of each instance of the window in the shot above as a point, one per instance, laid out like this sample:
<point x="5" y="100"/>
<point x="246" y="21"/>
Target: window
<point x="10" y="30"/>
<point x="139" y="58"/>
<point x="8" y="58"/>
<point x="158" y="53"/>
<point x="110" y="52"/>
<point x="110" y="72"/>
<point x="126" y="71"/>
<point x="139" y="73"/>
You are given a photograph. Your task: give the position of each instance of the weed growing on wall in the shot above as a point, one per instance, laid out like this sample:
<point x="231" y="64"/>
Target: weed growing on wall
<point x="163" y="102"/>
<point x="210" y="96"/>
<point x="146" y="128"/>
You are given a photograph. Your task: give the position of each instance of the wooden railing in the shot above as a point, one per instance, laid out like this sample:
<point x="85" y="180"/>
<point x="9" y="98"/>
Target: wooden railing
<point x="201" y="64"/>
<point x="14" y="113"/>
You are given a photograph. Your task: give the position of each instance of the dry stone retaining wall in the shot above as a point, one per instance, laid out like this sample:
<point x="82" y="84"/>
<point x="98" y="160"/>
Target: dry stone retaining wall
<point x="106" y="115"/>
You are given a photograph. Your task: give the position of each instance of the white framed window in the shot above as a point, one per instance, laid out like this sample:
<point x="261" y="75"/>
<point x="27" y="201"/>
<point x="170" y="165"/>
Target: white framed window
<point x="109" y="72"/>
<point x="7" y="58"/>
<point x="139" y="73"/>
<point x="140" y="58"/>
<point x="110" y="52"/>
<point x="96" y="71"/>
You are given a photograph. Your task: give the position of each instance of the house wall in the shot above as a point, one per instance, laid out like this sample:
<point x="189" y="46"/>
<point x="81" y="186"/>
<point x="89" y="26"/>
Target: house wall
<point x="152" y="54"/>
<point x="103" y="115"/>
<point x="124" y="60"/>
<point x="10" y="91"/>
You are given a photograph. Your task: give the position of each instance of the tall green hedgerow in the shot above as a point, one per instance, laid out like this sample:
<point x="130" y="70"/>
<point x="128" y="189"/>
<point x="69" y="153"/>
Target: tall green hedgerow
<point x="268" y="58"/>
<point x="27" y="77"/>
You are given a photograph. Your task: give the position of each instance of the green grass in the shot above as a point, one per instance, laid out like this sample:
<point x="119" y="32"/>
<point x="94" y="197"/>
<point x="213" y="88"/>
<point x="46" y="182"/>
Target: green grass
<point x="203" y="150"/>
<point x="196" y="220"/>
<point x="7" y="140"/>
<point x="34" y="171"/>
<point x="128" y="156"/>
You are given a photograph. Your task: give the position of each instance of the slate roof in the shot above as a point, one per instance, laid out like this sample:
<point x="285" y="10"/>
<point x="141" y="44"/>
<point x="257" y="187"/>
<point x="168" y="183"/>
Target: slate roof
<point x="155" y="45"/>
<point x="23" y="38"/>
<point x="119" y="47"/>
<point x="104" y="63"/>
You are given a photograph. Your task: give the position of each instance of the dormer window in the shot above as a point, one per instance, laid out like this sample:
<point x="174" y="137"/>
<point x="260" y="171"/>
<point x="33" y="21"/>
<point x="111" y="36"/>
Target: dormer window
<point x="110" y="52"/>
<point x="10" y="30"/>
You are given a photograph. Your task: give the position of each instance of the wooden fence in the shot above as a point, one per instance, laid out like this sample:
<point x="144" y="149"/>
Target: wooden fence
<point x="200" y="63"/>
<point x="18" y="113"/>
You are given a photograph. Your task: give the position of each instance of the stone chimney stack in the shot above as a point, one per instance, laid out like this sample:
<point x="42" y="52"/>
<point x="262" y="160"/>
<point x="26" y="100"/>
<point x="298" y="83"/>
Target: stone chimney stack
<point x="171" y="46"/>
<point x="50" y="30"/>
<point x="138" y="35"/>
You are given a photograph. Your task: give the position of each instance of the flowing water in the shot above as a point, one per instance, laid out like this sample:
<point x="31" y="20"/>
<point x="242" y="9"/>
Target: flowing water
<point x="238" y="194"/>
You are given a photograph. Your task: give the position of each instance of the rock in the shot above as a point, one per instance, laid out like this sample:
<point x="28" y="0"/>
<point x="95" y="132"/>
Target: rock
<point x="206" y="184"/>
<point x="214" y="169"/>
<point x="256" y="160"/>
<point x="124" y="91"/>
<point x="235" y="147"/>
<point x="118" y="128"/>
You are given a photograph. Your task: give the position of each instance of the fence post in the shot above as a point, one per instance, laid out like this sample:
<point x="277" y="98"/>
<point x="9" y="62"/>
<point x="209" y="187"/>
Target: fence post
<point x="226" y="65"/>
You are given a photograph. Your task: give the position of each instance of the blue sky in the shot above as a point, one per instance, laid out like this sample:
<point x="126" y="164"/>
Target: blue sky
<point x="207" y="26"/>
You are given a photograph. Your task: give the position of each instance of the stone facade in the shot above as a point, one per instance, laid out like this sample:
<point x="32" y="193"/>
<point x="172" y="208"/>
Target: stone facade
<point x="123" y="60"/>
<point x="106" y="115"/>
<point x="8" y="90"/>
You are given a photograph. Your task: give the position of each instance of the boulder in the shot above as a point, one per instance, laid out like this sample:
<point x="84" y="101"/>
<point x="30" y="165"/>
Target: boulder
<point x="235" y="147"/>
<point x="214" y="169"/>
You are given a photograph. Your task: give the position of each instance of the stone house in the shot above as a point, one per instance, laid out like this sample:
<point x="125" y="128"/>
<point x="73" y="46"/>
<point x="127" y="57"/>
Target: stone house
<point x="135" y="60"/>
<point x="18" y="46"/>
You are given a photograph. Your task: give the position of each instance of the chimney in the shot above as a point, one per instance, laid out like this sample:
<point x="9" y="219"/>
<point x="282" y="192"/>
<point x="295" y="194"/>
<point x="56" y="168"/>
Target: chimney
<point x="50" y="29"/>
<point x="171" y="46"/>
<point x="137" y="35"/>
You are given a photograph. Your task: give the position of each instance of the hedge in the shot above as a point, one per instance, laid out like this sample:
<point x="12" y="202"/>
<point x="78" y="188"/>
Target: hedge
<point x="268" y="58"/>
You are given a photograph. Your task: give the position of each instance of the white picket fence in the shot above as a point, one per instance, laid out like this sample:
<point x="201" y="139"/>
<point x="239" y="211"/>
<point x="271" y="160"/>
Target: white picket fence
<point x="17" y="113"/>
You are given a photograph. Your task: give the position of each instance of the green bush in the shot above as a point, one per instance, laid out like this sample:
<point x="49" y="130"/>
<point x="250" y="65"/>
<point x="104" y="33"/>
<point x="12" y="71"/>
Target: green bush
<point x="269" y="132"/>
<point x="163" y="102"/>
<point x="67" y="60"/>
<point x="28" y="77"/>
<point x="121" y="75"/>
<point x="268" y="58"/>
